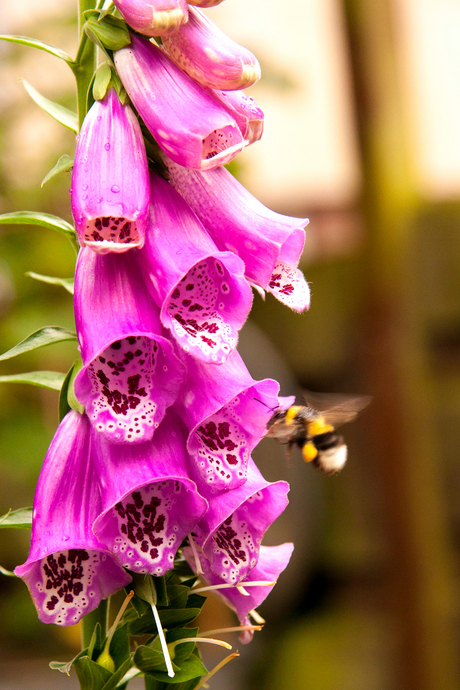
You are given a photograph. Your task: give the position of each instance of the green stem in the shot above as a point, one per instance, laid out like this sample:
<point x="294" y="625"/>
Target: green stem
<point x="85" y="61"/>
<point x="99" y="615"/>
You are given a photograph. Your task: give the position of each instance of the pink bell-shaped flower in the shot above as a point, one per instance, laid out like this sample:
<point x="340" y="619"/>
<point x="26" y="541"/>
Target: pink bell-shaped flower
<point x="187" y="123"/>
<point x="69" y="571"/>
<point x="110" y="181"/>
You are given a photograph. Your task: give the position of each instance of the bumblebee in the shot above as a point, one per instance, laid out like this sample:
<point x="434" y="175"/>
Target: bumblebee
<point x="312" y="428"/>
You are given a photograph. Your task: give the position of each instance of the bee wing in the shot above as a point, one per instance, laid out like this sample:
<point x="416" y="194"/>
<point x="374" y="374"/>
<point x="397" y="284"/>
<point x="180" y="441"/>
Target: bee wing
<point x="337" y="409"/>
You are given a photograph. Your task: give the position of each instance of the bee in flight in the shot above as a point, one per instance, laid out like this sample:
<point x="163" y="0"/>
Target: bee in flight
<point x="312" y="427"/>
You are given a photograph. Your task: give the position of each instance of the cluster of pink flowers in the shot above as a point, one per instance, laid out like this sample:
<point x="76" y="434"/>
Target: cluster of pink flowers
<point x="162" y="287"/>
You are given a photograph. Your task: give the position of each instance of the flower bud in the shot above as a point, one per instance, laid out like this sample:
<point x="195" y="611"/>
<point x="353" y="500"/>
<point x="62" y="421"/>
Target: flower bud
<point x="153" y="17"/>
<point x="208" y="55"/>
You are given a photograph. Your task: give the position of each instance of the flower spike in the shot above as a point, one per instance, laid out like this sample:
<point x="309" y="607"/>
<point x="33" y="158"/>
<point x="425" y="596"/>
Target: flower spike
<point x="149" y="504"/>
<point x="231" y="531"/>
<point x="201" y="291"/>
<point x="269" y="243"/>
<point x="110" y="183"/>
<point x="130" y="373"/>
<point x="187" y="123"/>
<point x="153" y="17"/>
<point x="68" y="571"/>
<point x="209" y="56"/>
<point x="222" y="408"/>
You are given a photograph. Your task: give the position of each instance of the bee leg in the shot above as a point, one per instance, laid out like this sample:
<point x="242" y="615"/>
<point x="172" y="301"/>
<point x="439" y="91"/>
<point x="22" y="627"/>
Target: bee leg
<point x="289" y="461"/>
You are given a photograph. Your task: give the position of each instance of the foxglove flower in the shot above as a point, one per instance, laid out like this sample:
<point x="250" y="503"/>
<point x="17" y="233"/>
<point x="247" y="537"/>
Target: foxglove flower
<point x="208" y="55"/>
<point x="201" y="291"/>
<point x="68" y="570"/>
<point x="149" y="504"/>
<point x="231" y="531"/>
<point x="187" y="123"/>
<point x="110" y="182"/>
<point x="130" y="373"/>
<point x="272" y="561"/>
<point x="269" y="243"/>
<point x="153" y="17"/>
<point x="248" y="116"/>
<point x="226" y="411"/>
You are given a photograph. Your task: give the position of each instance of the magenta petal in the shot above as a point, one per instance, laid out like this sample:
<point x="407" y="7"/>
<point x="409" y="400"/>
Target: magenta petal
<point x="68" y="570"/>
<point x="187" y="123"/>
<point x="149" y="504"/>
<point x="238" y="222"/>
<point x="110" y="183"/>
<point x="208" y="55"/>
<point x="202" y="292"/>
<point x="289" y="286"/>
<point x="153" y="17"/>
<point x="272" y="561"/>
<point x="227" y="412"/>
<point x="248" y="116"/>
<point x="231" y="531"/>
<point x="130" y="374"/>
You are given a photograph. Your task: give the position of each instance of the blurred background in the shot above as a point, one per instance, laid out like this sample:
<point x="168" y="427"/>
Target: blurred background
<point x="362" y="112"/>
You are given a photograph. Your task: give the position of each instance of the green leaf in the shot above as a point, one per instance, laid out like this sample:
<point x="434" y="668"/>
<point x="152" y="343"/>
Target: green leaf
<point x="46" y="220"/>
<point x="67" y="283"/>
<point x="19" y="519"/>
<point x="90" y="674"/>
<point x="67" y="398"/>
<point x="44" y="379"/>
<point x="59" y="112"/>
<point x="61" y="666"/>
<point x="177" y="595"/>
<point x="102" y="80"/>
<point x="119" y="646"/>
<point x="144" y="587"/>
<point x="96" y="644"/>
<point x="7" y="573"/>
<point x="118" y="675"/>
<point x="64" y="164"/>
<point x="109" y="33"/>
<point x="44" y="336"/>
<point x="35" y="43"/>
<point x="192" y="667"/>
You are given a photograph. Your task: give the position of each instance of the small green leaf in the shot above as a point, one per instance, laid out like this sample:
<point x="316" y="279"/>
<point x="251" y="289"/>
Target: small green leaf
<point x="7" y="573"/>
<point x="59" y="112"/>
<point x="61" y="666"/>
<point x="113" y="682"/>
<point x="46" y="220"/>
<point x="90" y="674"/>
<point x="35" y="43"/>
<point x="66" y="283"/>
<point x="44" y="379"/>
<point x="44" y="336"/>
<point x="64" y="164"/>
<point x="102" y="80"/>
<point x="144" y="588"/>
<point x="67" y="398"/>
<point x="71" y="397"/>
<point x="18" y="519"/>
<point x="109" y="33"/>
